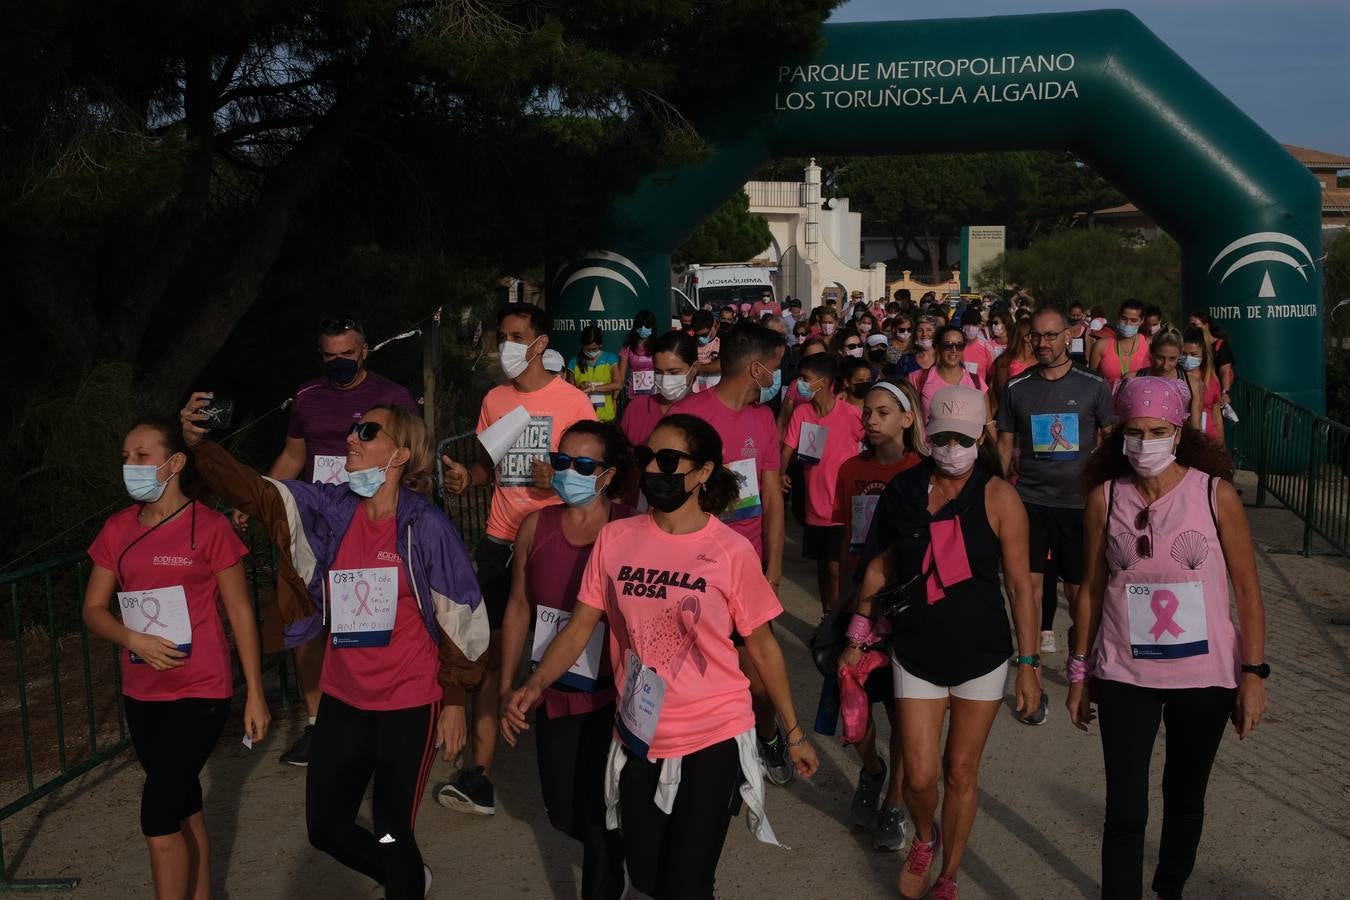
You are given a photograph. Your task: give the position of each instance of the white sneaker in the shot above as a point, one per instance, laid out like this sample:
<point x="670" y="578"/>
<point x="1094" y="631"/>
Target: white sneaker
<point x="426" y="880"/>
<point x="1048" y="642"/>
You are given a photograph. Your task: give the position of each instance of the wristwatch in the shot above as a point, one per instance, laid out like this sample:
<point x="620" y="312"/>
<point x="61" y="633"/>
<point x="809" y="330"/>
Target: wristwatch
<point x="1260" y="670"/>
<point x="1033" y="661"/>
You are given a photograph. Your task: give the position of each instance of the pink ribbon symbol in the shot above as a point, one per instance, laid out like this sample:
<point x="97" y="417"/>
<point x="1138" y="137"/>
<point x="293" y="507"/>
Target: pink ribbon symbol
<point x="687" y="615"/>
<point x="1164" y="605"/>
<point x="362" y="591"/>
<point x="811" y="449"/>
<point x="1057" y="435"/>
<point x="151" y="618"/>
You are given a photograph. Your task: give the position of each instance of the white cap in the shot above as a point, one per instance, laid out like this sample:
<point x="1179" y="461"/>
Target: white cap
<point x="499" y="437"/>
<point x="553" y="361"/>
<point x="877" y="340"/>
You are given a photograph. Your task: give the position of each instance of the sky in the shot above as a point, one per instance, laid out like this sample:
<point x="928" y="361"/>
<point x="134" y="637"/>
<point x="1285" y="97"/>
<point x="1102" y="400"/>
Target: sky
<point x="1286" y="63"/>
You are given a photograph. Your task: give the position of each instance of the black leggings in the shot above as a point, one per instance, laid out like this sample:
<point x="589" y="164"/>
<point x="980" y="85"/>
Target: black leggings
<point x="674" y="857"/>
<point x="349" y="746"/>
<point x="1129" y="716"/>
<point x="571" y="752"/>
<point x="173" y="738"/>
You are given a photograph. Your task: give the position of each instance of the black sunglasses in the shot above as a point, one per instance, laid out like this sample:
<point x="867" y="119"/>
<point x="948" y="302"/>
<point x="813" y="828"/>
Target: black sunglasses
<point x="947" y="437"/>
<point x="666" y="460"/>
<point x="1143" y="545"/>
<point x="852" y="346"/>
<point x="337" y="326"/>
<point x="364" y="431"/>
<point x="952" y="345"/>
<point x="583" y="464"/>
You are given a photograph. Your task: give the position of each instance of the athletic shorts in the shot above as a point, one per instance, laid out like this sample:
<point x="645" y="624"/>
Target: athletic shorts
<point x="821" y="542"/>
<point x="1052" y="530"/>
<point x="492" y="559"/>
<point x="173" y="739"/>
<point x="909" y="686"/>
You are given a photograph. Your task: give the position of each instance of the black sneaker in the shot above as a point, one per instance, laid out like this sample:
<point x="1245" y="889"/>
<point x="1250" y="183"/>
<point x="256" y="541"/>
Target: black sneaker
<point x="470" y="792"/>
<point x="298" y="755"/>
<point x="1037" y="715"/>
<point x="773" y="757"/>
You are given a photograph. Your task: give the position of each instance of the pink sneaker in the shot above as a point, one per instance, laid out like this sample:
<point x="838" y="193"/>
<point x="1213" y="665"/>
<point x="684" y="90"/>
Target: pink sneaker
<point x="918" y="864"/>
<point x="945" y="889"/>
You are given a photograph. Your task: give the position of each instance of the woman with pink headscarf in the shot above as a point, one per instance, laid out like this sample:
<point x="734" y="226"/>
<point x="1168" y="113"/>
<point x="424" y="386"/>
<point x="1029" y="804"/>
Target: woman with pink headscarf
<point x="1153" y="641"/>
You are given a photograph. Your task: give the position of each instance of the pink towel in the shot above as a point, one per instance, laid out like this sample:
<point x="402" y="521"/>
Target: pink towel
<point x="946" y="555"/>
<point x="853" y="702"/>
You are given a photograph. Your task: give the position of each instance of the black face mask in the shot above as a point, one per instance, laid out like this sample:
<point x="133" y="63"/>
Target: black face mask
<point x="877" y="354"/>
<point x="859" y="391"/>
<point x="664" y="493"/>
<point x="341" y="371"/>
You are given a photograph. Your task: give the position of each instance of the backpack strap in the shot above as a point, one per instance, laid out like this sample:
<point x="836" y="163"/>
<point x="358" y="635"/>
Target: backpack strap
<point x="1213" y="504"/>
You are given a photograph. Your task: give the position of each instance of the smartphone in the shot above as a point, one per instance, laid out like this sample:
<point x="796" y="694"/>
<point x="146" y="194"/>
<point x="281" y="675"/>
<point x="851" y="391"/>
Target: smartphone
<point x="220" y="414"/>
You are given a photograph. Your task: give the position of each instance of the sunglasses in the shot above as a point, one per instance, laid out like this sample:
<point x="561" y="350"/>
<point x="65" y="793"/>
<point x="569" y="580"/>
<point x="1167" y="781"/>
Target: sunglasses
<point x="337" y="326"/>
<point x="1143" y="545"/>
<point x="852" y="346"/>
<point x="364" y="431"/>
<point x="666" y="460"/>
<point x="583" y="464"/>
<point x="947" y="437"/>
<point x="952" y="345"/>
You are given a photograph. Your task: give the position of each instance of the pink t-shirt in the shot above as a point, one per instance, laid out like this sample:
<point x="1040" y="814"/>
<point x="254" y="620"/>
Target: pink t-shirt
<point x="706" y="354"/>
<point x="179" y="553"/>
<point x="929" y="381"/>
<point x="1165" y="616"/>
<point x="403" y="673"/>
<point x="977" y="352"/>
<point x="1211" y="397"/>
<point x="750" y="434"/>
<point x="843" y="432"/>
<point x="641" y="373"/>
<point x="673" y="599"/>
<point x="640" y="418"/>
<point x="553" y="409"/>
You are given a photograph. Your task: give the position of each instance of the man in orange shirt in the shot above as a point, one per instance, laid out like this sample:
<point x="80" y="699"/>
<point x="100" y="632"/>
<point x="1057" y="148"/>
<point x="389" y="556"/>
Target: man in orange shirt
<point x="553" y="405"/>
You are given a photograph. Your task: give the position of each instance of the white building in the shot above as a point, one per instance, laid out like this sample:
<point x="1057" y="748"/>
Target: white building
<point x="814" y="249"/>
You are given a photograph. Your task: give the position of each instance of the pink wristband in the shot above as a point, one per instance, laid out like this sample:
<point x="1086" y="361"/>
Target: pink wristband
<point x="1077" y="671"/>
<point x="859" y="629"/>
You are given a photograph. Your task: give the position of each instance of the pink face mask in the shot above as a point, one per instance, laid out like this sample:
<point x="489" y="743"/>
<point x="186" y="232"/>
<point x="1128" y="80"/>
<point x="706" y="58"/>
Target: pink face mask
<point x="827" y="327"/>
<point x="953" y="459"/>
<point x="1150" y="458"/>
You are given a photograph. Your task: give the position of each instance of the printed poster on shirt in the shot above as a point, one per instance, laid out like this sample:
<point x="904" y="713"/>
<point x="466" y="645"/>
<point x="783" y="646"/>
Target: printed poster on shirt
<point x="644" y="381"/>
<point x="330" y="470"/>
<point x="1055" y="436"/>
<point x="363" y="604"/>
<point x="811" y="443"/>
<point x="517" y="466"/>
<point x="162" y="612"/>
<point x="747" y="503"/>
<point x="1167" y="621"/>
<point x="585" y="672"/>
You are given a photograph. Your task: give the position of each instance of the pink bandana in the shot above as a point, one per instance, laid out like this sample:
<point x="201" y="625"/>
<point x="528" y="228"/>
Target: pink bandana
<point x="1151" y="396"/>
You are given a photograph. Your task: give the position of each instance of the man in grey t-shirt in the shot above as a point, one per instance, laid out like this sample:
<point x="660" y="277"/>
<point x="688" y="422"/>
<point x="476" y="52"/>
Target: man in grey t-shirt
<point x="1054" y="414"/>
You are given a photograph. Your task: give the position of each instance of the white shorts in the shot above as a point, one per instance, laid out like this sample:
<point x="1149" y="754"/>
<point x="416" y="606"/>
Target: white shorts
<point x="909" y="686"/>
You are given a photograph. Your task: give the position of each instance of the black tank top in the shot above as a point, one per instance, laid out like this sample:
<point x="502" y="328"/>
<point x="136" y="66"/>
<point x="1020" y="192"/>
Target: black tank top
<point x="965" y="634"/>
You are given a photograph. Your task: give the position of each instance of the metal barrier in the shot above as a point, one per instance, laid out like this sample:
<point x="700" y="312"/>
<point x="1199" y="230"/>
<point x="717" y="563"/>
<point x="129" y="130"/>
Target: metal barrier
<point x="1300" y="458"/>
<point x="69" y="699"/>
<point x="469" y="510"/>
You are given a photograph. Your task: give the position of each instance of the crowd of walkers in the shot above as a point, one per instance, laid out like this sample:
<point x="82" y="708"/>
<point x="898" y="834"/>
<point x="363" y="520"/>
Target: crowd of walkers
<point x="951" y="465"/>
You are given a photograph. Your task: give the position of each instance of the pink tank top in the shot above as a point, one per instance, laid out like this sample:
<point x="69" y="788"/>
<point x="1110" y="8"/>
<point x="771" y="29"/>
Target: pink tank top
<point x="1017" y="367"/>
<point x="1115" y="366"/>
<point x="553" y="578"/>
<point x="1165" y="619"/>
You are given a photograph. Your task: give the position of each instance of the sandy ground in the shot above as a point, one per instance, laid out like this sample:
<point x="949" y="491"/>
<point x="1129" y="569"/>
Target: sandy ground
<point x="1278" y="824"/>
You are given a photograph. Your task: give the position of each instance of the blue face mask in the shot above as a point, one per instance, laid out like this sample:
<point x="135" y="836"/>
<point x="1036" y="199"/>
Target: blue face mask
<point x="768" y="393"/>
<point x="644" y="331"/>
<point x="804" y="390"/>
<point x="574" y="488"/>
<point x="1190" y="363"/>
<point x="704" y="338"/>
<point x="367" y="482"/>
<point x="142" y="482"/>
<point x="1126" y="331"/>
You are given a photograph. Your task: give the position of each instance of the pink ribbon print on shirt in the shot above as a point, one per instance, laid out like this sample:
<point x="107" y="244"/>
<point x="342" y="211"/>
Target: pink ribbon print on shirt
<point x="1164" y="605"/>
<point x="1057" y="435"/>
<point x="687" y="615"/>
<point x="362" y="591"/>
<point x="151" y="618"/>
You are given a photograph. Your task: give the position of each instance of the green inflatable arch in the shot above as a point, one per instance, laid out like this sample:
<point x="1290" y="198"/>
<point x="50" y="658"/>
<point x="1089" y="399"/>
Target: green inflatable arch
<point x="1246" y="214"/>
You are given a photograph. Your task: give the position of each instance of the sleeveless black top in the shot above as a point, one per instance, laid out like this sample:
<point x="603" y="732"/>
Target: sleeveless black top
<point x="966" y="634"/>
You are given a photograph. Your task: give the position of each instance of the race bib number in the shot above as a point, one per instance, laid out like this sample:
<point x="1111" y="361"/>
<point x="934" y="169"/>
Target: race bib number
<point x="585" y="672"/>
<point x="644" y="693"/>
<point x="1167" y="621"/>
<point x="972" y="367"/>
<point x="811" y="443"/>
<point x="597" y="400"/>
<point x="644" y="382"/>
<point x="747" y="503"/>
<point x="864" y="508"/>
<point x="1204" y="421"/>
<point x="330" y="470"/>
<point x="1076" y="346"/>
<point x="1055" y="436"/>
<point x="162" y="612"/>
<point x="364" y="604"/>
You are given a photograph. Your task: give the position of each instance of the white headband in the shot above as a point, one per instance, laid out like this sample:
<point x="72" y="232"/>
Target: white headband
<point x="896" y="392"/>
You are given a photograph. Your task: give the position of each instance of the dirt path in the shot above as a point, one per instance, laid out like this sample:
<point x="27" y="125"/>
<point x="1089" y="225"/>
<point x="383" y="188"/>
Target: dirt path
<point x="1278" y="820"/>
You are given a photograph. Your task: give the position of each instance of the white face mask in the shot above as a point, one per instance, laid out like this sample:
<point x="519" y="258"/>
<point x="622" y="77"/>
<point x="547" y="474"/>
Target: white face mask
<point x="672" y="387"/>
<point x="855" y="352"/>
<point x="972" y="332"/>
<point x="925" y="344"/>
<point x="953" y="459"/>
<point x="997" y="328"/>
<point x="1150" y="458"/>
<point x="516" y="357"/>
